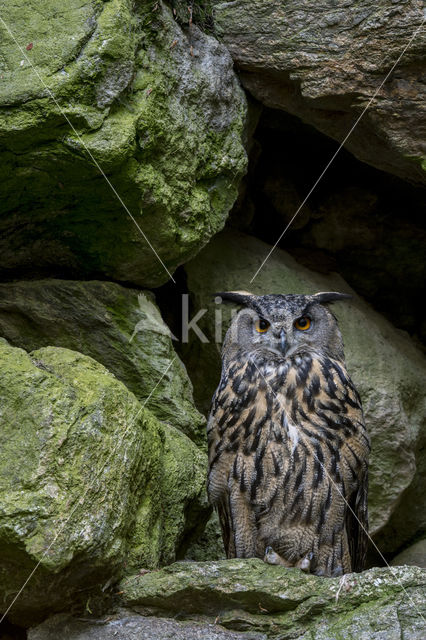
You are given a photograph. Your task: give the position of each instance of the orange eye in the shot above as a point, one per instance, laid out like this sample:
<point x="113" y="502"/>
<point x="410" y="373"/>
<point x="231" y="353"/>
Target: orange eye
<point x="303" y="323"/>
<point x="262" y="325"/>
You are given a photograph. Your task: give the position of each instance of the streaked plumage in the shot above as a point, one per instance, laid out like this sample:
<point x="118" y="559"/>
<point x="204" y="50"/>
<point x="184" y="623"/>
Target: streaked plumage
<point x="287" y="440"/>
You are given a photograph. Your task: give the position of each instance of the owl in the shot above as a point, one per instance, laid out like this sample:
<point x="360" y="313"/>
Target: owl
<point x="288" y="447"/>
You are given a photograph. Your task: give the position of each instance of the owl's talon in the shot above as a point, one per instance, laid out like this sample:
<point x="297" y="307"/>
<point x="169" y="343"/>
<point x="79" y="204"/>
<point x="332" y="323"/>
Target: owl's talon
<point x="271" y="557"/>
<point x="305" y="563"/>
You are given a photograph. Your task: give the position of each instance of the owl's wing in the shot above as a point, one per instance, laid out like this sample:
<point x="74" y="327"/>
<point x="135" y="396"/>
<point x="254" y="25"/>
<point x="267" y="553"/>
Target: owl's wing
<point x="225" y="519"/>
<point x="228" y="410"/>
<point x="347" y="403"/>
<point x="357" y="523"/>
<point x="217" y="475"/>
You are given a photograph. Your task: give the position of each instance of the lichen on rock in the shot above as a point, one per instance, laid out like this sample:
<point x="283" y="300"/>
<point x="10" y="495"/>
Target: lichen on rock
<point x="79" y="456"/>
<point x="250" y="600"/>
<point x="118" y="326"/>
<point x="248" y="595"/>
<point x="158" y="108"/>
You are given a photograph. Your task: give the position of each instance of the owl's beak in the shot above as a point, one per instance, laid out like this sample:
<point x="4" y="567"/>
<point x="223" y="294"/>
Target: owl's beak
<point x="283" y="341"/>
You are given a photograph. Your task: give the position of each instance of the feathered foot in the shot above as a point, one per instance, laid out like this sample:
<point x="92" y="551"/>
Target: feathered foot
<point x="271" y="557"/>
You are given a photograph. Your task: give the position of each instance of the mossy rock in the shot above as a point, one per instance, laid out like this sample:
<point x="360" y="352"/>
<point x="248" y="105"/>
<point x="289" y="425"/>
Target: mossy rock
<point x="173" y="513"/>
<point x="250" y="596"/>
<point x="119" y="327"/>
<point x="117" y="85"/>
<point x="248" y="599"/>
<point x="79" y="456"/>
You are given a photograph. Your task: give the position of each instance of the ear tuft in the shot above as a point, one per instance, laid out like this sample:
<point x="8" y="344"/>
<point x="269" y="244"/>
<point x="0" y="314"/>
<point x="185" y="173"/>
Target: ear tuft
<point x="330" y="296"/>
<point x="239" y="297"/>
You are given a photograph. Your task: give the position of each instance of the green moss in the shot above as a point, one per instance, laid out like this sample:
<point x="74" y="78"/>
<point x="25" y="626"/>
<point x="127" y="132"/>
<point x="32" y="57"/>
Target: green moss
<point x="113" y="325"/>
<point x="147" y="111"/>
<point x="163" y="520"/>
<point x="64" y="420"/>
<point x="85" y="473"/>
<point x="248" y="595"/>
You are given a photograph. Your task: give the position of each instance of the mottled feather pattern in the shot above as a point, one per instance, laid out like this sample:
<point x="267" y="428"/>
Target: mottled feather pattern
<point x="287" y="447"/>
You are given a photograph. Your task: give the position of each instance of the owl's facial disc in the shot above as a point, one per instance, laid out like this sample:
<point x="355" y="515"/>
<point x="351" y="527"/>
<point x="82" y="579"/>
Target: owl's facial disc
<point x="284" y="325"/>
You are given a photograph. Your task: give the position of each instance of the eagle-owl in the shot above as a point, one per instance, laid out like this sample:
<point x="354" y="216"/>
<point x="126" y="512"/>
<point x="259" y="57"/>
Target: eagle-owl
<point x="288" y="447"/>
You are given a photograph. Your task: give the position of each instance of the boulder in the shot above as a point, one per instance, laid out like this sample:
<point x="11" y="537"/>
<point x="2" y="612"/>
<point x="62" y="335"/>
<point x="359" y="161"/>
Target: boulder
<point x="248" y="595"/>
<point x="121" y="140"/>
<point x="119" y="327"/>
<point x="414" y="555"/>
<point x="324" y="62"/>
<point x="80" y="458"/>
<point x="174" y="512"/>
<point x="386" y="367"/>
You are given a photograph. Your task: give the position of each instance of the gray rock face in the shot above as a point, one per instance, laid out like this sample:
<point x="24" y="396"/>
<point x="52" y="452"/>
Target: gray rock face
<point x="130" y="626"/>
<point x="324" y="61"/>
<point x="414" y="555"/>
<point x="161" y="112"/>
<point x="119" y="327"/>
<point x="386" y="367"/>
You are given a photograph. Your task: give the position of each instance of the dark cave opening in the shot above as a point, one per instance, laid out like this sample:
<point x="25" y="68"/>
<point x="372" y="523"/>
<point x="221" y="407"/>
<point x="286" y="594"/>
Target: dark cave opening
<point x="361" y="222"/>
<point x="9" y="631"/>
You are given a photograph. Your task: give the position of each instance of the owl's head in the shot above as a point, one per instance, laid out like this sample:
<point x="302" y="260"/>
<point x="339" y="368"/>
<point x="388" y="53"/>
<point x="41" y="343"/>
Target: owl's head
<point x="284" y="325"/>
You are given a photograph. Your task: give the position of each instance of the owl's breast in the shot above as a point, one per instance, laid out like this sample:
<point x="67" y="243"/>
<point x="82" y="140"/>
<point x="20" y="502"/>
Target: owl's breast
<point x="291" y="425"/>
